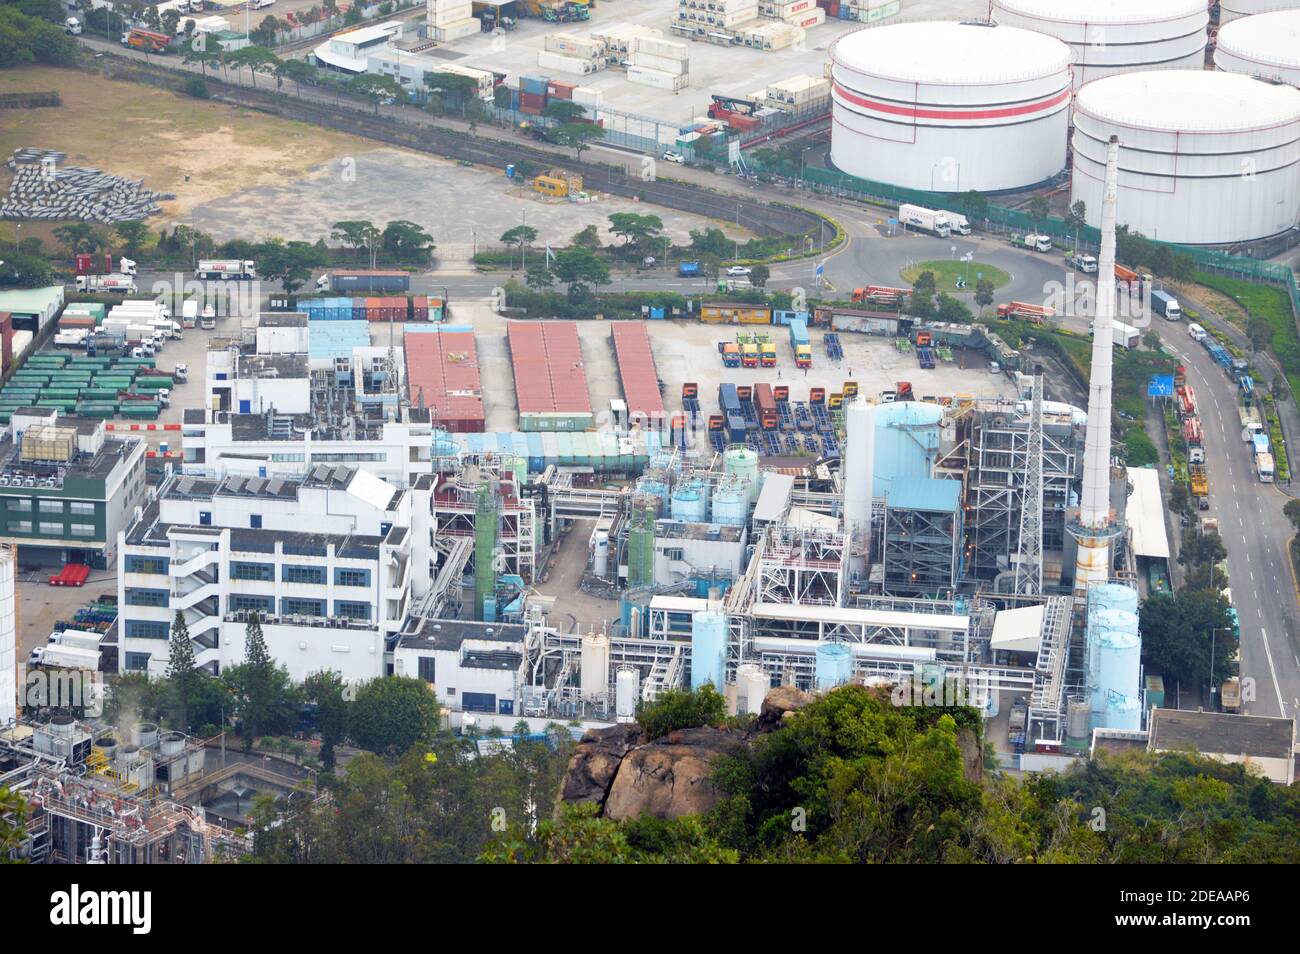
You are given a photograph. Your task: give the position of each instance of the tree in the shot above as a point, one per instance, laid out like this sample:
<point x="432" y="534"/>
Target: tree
<point x="759" y="275"/>
<point x="1292" y="512"/>
<point x="925" y="282"/>
<point x="258" y="59"/>
<point x="1039" y="209"/>
<point x="1077" y="217"/>
<point x="132" y="235"/>
<point x="1152" y="340"/>
<point x="588" y="238"/>
<point x="264" y="33"/>
<point x="13" y="827"/>
<point x="951" y="309"/>
<point x="636" y="230"/>
<point x="393" y="713"/>
<point x="356" y="233"/>
<point x="181" y="673"/>
<point x="299" y="72"/>
<point x="564" y="111"/>
<point x="578" y="136"/>
<point x="79" y="237"/>
<point x="1180" y="632"/>
<point x="451" y="89"/>
<point x="1179" y="500"/>
<point x="170" y="20"/>
<point x="196" y="87"/>
<point x="983" y="294"/>
<point x="580" y="268"/>
<point x="1260" y="333"/>
<point x="682" y="709"/>
<point x="378" y="89"/>
<point x="539" y="277"/>
<point x="258" y="683"/>
<point x="290" y="264"/>
<point x="521" y="237"/>
<point x="407" y="242"/>
<point x="327" y="692"/>
<point x="196" y="50"/>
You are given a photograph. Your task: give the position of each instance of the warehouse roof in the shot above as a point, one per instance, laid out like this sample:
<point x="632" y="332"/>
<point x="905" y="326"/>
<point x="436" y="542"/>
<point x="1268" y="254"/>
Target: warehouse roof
<point x="637" y="371"/>
<point x="550" y="377"/>
<point x="442" y="374"/>
<point x="943" y="496"/>
<point x="30" y="301"/>
<point x="1145" y="514"/>
<point x="1018" y="630"/>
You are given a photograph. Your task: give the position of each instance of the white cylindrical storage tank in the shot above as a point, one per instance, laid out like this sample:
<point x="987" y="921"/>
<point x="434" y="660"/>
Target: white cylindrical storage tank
<point x="1123" y="712"/>
<point x="858" y="465"/>
<point x="742" y="462"/>
<point x="833" y="664"/>
<point x="1230" y="10"/>
<point x="1116" y="36"/>
<point x="626" y="688"/>
<point x="731" y="503"/>
<point x="1119" y="667"/>
<point x="1078" y="714"/>
<point x="595" y="667"/>
<point x="752" y="685"/>
<point x="145" y="734"/>
<point x="950" y="107"/>
<point x="708" y="649"/>
<point x="1265" y="46"/>
<point x="8" y="638"/>
<point x="1205" y="158"/>
<point x="600" y="556"/>
<point x="1117" y="596"/>
<point x="690" y="501"/>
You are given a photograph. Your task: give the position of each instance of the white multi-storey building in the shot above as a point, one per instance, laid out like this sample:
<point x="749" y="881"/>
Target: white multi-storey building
<point x="331" y="562"/>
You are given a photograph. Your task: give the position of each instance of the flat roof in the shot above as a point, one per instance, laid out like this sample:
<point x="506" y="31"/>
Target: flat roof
<point x="450" y="634"/>
<point x="1145" y="514"/>
<point x="852" y="616"/>
<point x="925" y="494"/>
<point x="1222" y="733"/>
<point x="442" y="374"/>
<point x="774" y="498"/>
<point x="30" y="300"/>
<point x="636" y="369"/>
<point x="1018" y="630"/>
<point x="550" y="376"/>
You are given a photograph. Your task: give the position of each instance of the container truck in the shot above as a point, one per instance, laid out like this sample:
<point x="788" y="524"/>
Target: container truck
<point x="1166" y="306"/>
<point x="1036" y="243"/>
<point x="730" y="352"/>
<point x="107" y="284"/>
<point x="189" y="313"/>
<point x="233" y="270"/>
<point x="958" y="224"/>
<point x="1264" y="467"/>
<point x="749" y="356"/>
<point x="924" y="220"/>
<point x="767" y="354"/>
<point x="67" y="657"/>
<point x="1230" y="695"/>
<point x="801" y="343"/>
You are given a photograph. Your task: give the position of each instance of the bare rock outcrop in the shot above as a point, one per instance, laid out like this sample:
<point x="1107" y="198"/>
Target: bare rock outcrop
<point x="595" y="763"/>
<point x="669" y="777"/>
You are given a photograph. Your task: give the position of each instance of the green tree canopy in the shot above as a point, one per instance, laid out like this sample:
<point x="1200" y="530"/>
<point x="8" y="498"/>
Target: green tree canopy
<point x="393" y="713"/>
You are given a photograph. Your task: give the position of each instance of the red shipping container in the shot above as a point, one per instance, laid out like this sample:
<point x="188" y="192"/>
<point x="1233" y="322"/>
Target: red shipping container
<point x="76" y="321"/>
<point x="530" y="110"/>
<point x="532" y="99"/>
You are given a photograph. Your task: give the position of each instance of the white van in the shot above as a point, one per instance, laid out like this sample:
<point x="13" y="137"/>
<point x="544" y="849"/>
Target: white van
<point x="1196" y="331"/>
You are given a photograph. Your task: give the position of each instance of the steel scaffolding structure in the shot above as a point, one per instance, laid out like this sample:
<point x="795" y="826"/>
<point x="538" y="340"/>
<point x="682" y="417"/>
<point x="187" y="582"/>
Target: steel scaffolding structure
<point x="1029" y="566"/>
<point x="802" y="567"/>
<point x="921" y="550"/>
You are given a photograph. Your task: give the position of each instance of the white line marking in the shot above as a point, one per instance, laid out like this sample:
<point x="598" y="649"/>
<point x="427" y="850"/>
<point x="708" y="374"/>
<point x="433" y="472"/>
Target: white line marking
<point x="1268" y="653"/>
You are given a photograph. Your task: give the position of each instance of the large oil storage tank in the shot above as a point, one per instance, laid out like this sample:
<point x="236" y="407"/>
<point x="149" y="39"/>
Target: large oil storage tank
<point x="1205" y="158"/>
<point x="1234" y="9"/>
<point x="1116" y="36"/>
<point x="906" y="444"/>
<point x="950" y="107"/>
<point x="708" y="649"/>
<point x="1266" y="46"/>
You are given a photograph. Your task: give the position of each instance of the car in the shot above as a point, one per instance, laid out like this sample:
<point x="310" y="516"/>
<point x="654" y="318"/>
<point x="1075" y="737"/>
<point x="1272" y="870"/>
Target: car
<point x="738" y="271"/>
<point x="1203" y="503"/>
<point x="676" y="157"/>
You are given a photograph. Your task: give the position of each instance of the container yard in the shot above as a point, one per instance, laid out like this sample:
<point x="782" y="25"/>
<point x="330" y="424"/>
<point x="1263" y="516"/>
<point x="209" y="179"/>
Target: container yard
<point x="442" y="375"/>
<point x="550" y="378"/>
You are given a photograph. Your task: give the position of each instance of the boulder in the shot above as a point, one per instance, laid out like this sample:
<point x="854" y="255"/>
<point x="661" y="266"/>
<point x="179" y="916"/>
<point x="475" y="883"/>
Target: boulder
<point x="669" y="778"/>
<point x="595" y="762"/>
<point x="779" y="703"/>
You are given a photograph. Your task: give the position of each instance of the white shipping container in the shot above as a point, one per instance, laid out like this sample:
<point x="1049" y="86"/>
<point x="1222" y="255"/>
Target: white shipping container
<point x="644" y="76"/>
<point x="808" y="20"/>
<point x="667" y="49"/>
<point x="450" y="13"/>
<point x="558" y="62"/>
<point x="570" y="44"/>
<point x="456" y="31"/>
<point x="619" y="37"/>
<point x="666" y="64"/>
<point x="588" y="96"/>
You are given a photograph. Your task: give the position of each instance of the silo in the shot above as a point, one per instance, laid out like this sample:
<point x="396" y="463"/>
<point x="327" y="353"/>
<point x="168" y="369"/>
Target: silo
<point x="1116" y="36"/>
<point x="906" y="444"/>
<point x="1123" y="712"/>
<point x="1266" y="46"/>
<point x="742" y="462"/>
<point x="1118" y="667"/>
<point x="1116" y="596"/>
<point x="833" y="666"/>
<point x="600" y="555"/>
<point x="950" y="107"/>
<point x="8" y="638"/>
<point x="1206" y="158"/>
<point x="752" y="685"/>
<point x="858" y="463"/>
<point x="731" y="503"/>
<point x="595" y="667"/>
<point x="626" y="688"/>
<point x="1077" y="716"/>
<point x="690" y="501"/>
<point x="708" y="649"/>
<point x="1230" y="10"/>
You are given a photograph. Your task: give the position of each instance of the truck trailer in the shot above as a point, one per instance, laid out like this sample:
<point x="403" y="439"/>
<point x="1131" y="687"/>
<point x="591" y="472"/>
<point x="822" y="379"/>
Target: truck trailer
<point x="922" y="219"/>
<point x="1166" y="306"/>
<point x="230" y="270"/>
<point x="106" y="284"/>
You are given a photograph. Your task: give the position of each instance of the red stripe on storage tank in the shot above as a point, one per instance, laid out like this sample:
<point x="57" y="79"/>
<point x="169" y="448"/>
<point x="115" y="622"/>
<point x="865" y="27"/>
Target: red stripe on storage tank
<point x="913" y="112"/>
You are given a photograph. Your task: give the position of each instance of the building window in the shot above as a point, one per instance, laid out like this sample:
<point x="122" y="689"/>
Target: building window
<point x="428" y="668"/>
<point x="346" y="577"/>
<point x="143" y="564"/>
<point x="352" y="609"/>
<point x="51" y="506"/>
<point x="250" y="603"/>
<point x="674" y="553"/>
<point x="262" y="572"/>
<point x="287" y="458"/>
<point x="19" y="506"/>
<point x="255" y="521"/>
<point x="303" y="574"/>
<point x="82" y="529"/>
<point x="20" y="526"/>
<point x="79" y="508"/>
<point x="137" y="662"/>
<point x="295" y="606"/>
<point x="140" y="597"/>
<point x="205" y="518"/>
<point x="147" y="629"/>
<point x="51" y="529"/>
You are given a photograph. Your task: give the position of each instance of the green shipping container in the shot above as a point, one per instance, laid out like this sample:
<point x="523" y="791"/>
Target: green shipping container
<point x="151" y="382"/>
<point x="59" y="394"/>
<point x="146" y="410"/>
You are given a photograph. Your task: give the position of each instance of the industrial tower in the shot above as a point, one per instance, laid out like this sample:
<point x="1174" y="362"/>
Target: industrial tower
<point x="1096" y="525"/>
<point x="1029" y="568"/>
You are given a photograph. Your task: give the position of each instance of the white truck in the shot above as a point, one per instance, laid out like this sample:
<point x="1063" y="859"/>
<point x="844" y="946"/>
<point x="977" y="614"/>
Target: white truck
<point x="169" y="328"/>
<point x="72" y="338"/>
<point x="230" y="270"/>
<point x="924" y="220"/>
<point x="1251" y="423"/>
<point x="72" y="25"/>
<point x="958" y="224"/>
<point x="1264" y="467"/>
<point x="66" y="657"/>
<point x="1038" y="243"/>
<point x="189" y="313"/>
<point x="1083" y="263"/>
<point x="208" y="320"/>
<point x="1125" y="336"/>
<point x="109" y="284"/>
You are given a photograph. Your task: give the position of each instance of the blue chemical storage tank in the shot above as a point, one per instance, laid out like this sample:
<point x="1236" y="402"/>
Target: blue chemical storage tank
<point x="1118" y="667"/>
<point x="834" y="666"/>
<point x="690" y="502"/>
<point x="906" y="443"/>
<point x="708" y="649"/>
<point x="731" y="504"/>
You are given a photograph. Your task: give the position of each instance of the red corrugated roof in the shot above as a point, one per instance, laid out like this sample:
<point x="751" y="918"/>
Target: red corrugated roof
<point x="636" y="368"/>
<point x="445" y="366"/>
<point x="549" y="373"/>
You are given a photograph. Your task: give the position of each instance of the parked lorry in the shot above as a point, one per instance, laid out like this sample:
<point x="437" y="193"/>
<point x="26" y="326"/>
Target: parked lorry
<point x="801" y="343"/>
<point x="1251" y="423"/>
<point x="231" y="270"/>
<point x="66" y="657"/>
<point x="106" y="284"/>
<point x="767" y="354"/>
<point x="1166" y="306"/>
<point x="208" y="320"/>
<point x="1199" y="479"/>
<point x="72" y="338"/>
<point x="147" y="40"/>
<point x="72" y="25"/>
<point x="922" y="219"/>
<point x="882" y="295"/>
<point x="1125" y="336"/>
<point x="1025" y="311"/>
<point x="1036" y="243"/>
<point x="189" y="313"/>
<point x="1082" y="262"/>
<point x="1230" y="694"/>
<point x="958" y="224"/>
<point x="925" y="357"/>
<point x="730" y="352"/>
<point x="689" y="270"/>
<point x="749" y="356"/>
<point x="1264" y="467"/>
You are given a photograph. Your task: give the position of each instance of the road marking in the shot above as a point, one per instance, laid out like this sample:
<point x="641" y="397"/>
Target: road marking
<point x="1268" y="654"/>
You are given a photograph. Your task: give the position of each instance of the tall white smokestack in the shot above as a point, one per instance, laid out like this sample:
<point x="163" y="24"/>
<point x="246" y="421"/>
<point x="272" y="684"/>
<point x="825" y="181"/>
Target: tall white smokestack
<point x="1095" y="527"/>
